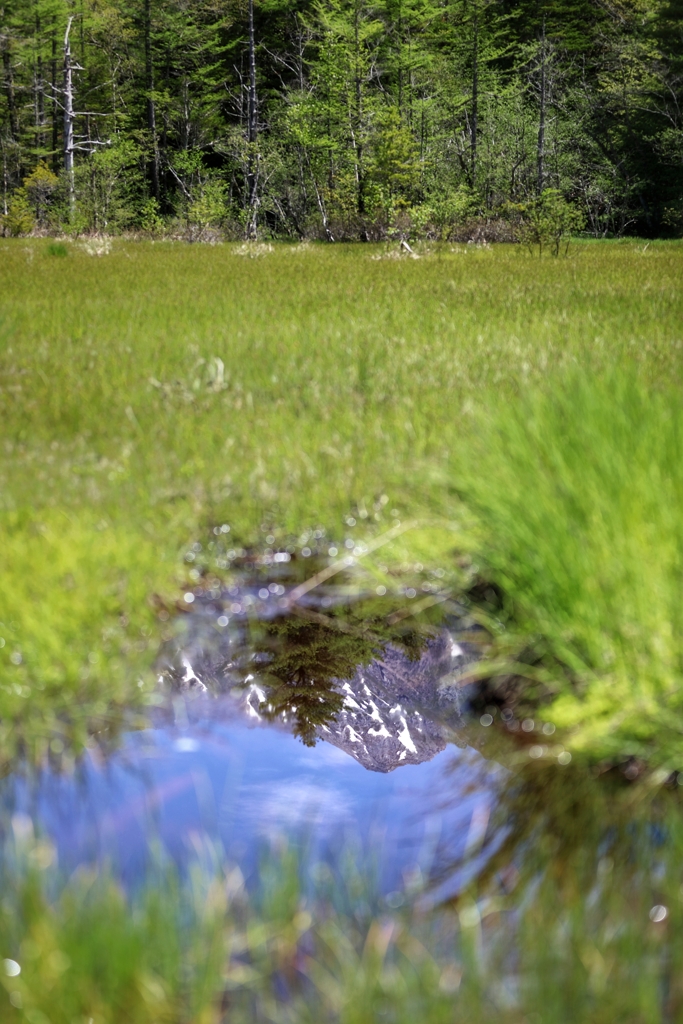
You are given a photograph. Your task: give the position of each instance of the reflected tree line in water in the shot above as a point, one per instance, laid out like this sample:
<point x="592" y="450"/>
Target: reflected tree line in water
<point x="306" y="659"/>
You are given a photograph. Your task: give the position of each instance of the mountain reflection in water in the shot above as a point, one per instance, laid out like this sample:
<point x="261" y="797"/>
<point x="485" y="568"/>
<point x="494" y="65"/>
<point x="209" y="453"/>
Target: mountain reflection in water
<point x="290" y="726"/>
<point x="387" y="696"/>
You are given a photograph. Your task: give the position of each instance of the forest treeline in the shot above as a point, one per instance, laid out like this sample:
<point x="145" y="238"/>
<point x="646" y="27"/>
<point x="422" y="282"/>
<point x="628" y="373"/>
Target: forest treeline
<point x="341" y="118"/>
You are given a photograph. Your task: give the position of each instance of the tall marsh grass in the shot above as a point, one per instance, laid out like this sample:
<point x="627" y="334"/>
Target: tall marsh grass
<point x="578" y="490"/>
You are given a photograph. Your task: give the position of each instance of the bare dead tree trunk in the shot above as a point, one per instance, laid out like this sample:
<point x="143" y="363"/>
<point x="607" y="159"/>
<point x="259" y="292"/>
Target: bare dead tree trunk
<point x="300" y="61"/>
<point x="69" y="114"/>
<point x="53" y="93"/>
<point x="40" y="113"/>
<point x="151" y="107"/>
<point x="321" y="203"/>
<point x="540" y="153"/>
<point x="357" y="133"/>
<point x="39" y="90"/>
<point x="475" y="96"/>
<point x="252" y="129"/>
<point x="5" y="180"/>
<point x="400" y="59"/>
<point x="9" y="89"/>
<point x="411" y="79"/>
<point x="185" y="131"/>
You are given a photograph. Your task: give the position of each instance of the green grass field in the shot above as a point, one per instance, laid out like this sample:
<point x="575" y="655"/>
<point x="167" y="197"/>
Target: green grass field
<point x="523" y="410"/>
<point x="525" y="414"/>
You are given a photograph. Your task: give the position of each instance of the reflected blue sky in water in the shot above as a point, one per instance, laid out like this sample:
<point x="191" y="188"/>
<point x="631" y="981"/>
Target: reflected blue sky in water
<point x="243" y="786"/>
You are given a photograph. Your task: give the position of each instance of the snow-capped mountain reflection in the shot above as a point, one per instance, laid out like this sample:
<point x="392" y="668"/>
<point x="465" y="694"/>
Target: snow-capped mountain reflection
<point x="395" y="709"/>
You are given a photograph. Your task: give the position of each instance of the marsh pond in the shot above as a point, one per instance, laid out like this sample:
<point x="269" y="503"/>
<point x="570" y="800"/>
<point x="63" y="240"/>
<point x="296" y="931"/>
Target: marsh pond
<point x="298" y="711"/>
<point x="326" y="811"/>
<point x="323" y="717"/>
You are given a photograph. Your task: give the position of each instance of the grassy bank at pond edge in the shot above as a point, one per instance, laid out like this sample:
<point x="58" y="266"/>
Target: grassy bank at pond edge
<point x="578" y="918"/>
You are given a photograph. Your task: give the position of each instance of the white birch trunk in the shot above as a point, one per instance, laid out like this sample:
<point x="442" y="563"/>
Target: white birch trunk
<point x="69" y="114"/>
<point x="540" y="154"/>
